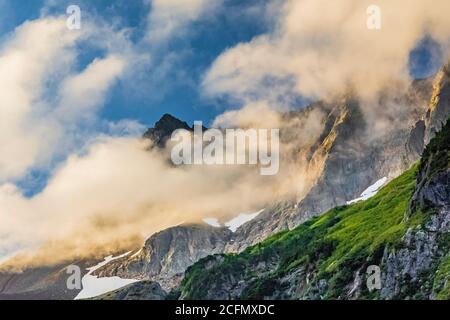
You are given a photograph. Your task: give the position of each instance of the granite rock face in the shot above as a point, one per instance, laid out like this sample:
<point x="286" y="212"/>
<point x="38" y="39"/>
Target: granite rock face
<point x="439" y="106"/>
<point x="352" y="159"/>
<point x="40" y="283"/>
<point x="349" y="158"/>
<point x="163" y="129"/>
<point x="413" y="256"/>
<point x="142" y="290"/>
<point x="167" y="254"/>
<point x="407" y="273"/>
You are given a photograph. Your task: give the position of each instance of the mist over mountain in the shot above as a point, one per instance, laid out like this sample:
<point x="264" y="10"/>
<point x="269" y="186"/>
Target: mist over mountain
<point x="360" y="94"/>
<point x="353" y="162"/>
<point x="349" y="160"/>
<point x="328" y="257"/>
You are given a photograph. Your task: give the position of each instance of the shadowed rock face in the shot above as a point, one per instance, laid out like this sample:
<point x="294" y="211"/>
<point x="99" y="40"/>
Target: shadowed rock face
<point x="309" y="263"/>
<point x="354" y="160"/>
<point x="163" y="129"/>
<point x="142" y="290"/>
<point x="44" y="283"/>
<point x="433" y="180"/>
<point x="439" y="106"/>
<point x="422" y="260"/>
<point x="166" y="255"/>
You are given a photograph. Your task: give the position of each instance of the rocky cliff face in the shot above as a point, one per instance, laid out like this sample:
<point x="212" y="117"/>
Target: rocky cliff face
<point x="352" y="161"/>
<point x="143" y="290"/>
<point x="353" y="158"/>
<point x="404" y="231"/>
<point x="419" y="269"/>
<point x="163" y="129"/>
<point x="439" y="106"/>
<point x="166" y="255"/>
<point x="40" y="283"/>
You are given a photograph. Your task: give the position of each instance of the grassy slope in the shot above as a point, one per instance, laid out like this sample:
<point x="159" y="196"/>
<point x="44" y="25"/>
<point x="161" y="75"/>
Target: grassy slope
<point x="331" y="246"/>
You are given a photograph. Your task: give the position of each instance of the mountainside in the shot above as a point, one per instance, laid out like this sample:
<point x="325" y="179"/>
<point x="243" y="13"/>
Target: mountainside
<point x="404" y="230"/>
<point x="143" y="290"/>
<point x="352" y="161"/>
<point x="166" y="255"/>
<point x="352" y="156"/>
<point x="40" y="283"/>
<point x="439" y="107"/>
<point x="163" y="129"/>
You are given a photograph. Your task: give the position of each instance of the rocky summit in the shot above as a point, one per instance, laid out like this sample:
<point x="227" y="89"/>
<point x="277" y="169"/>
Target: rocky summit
<point x="163" y="129"/>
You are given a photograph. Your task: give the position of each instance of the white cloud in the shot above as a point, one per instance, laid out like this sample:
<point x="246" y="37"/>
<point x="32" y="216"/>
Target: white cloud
<point x="169" y="17"/>
<point x="110" y="192"/>
<point x="83" y="92"/>
<point x="125" y="127"/>
<point x="43" y="98"/>
<point x="117" y="193"/>
<point x="320" y="47"/>
<point x="32" y="56"/>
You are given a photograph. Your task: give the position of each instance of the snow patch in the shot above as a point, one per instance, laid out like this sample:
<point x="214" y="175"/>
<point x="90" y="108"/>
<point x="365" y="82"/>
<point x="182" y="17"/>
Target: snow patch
<point x="93" y="286"/>
<point x="238" y="221"/>
<point x="370" y="191"/>
<point x="212" y="222"/>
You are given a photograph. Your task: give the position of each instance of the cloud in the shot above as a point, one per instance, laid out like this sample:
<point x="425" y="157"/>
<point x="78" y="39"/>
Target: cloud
<point x="253" y="115"/>
<point x="105" y="193"/>
<point x="35" y="53"/>
<point x="82" y="92"/>
<point x="319" y="48"/>
<point x="44" y="97"/>
<point x="118" y="193"/>
<point x="124" y="128"/>
<point x="111" y="192"/>
<point x="168" y="18"/>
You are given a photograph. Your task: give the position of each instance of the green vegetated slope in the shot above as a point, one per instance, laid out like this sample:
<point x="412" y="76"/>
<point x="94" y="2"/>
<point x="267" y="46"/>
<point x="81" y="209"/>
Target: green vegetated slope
<point x="328" y="245"/>
<point x="327" y="257"/>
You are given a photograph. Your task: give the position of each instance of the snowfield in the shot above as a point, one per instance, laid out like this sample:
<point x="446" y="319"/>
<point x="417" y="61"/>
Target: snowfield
<point x="370" y="191"/>
<point x="234" y="223"/>
<point x="212" y="222"/>
<point x="94" y="286"/>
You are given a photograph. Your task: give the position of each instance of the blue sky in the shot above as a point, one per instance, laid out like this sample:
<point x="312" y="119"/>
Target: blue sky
<point x="178" y="91"/>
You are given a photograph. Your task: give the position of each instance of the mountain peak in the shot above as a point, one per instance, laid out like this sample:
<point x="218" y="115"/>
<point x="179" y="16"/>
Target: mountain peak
<point x="163" y="129"/>
<point x="169" y="122"/>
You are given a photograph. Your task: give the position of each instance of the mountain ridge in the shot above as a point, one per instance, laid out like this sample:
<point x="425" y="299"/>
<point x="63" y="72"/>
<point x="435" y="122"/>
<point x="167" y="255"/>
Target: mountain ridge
<point x="345" y="174"/>
<point x="403" y="231"/>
